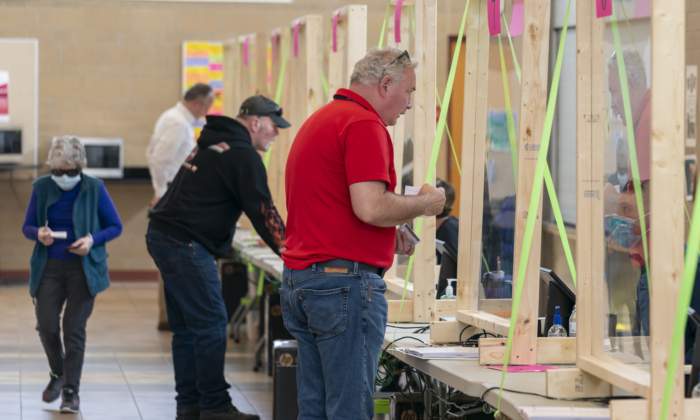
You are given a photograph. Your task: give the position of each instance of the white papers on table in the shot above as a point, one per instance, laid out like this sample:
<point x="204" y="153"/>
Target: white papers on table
<point x="411" y="190"/>
<point x="455" y="352"/>
<point x="567" y="413"/>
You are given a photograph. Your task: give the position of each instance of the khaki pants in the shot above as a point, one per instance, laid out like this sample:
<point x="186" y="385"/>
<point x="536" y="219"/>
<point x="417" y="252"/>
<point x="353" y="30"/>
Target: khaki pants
<point x="162" y="313"/>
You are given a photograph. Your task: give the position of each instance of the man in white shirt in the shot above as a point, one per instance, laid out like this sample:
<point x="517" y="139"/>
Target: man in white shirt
<point x="172" y="142"/>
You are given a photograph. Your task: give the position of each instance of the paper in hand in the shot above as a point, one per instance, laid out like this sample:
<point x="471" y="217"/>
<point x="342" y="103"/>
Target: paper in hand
<point x="413" y="239"/>
<point x="59" y="235"/>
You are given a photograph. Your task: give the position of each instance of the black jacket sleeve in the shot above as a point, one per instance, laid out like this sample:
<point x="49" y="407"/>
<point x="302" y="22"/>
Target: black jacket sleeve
<point x="256" y="200"/>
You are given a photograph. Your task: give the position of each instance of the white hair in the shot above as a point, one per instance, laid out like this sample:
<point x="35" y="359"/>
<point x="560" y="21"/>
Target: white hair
<point x="633" y="66"/>
<point x="67" y="151"/>
<point x="381" y="62"/>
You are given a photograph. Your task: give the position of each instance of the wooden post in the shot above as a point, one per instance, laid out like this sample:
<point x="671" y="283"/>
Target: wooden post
<point x="282" y="144"/>
<point x="424" y="135"/>
<point x="231" y="81"/>
<point x="533" y="108"/>
<point x="666" y="254"/>
<point x="253" y="75"/>
<point x="352" y="45"/>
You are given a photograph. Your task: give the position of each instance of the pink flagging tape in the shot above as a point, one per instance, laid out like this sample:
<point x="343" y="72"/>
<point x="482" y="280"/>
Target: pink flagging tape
<point x="603" y="8"/>
<point x="296" y="39"/>
<point x="245" y="51"/>
<point x="335" y="32"/>
<point x="494" y="14"/>
<point x="274" y="47"/>
<point x="397" y="21"/>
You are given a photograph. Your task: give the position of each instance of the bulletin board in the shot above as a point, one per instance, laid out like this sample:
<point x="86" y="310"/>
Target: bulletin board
<point x="202" y="62"/>
<point x="19" y="66"/>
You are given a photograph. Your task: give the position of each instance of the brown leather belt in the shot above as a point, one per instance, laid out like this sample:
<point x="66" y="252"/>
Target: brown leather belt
<point x="342" y="266"/>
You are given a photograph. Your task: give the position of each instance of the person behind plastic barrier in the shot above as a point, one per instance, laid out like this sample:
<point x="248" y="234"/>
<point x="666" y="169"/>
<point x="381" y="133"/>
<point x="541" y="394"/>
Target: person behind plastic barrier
<point x="171" y="143"/>
<point x="195" y="220"/>
<point x="447" y="225"/>
<point x="342" y="236"/>
<point x="626" y="231"/>
<point x="71" y="217"/>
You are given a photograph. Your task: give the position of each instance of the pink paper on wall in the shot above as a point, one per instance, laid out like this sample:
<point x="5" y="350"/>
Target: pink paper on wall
<point x="397" y="21"/>
<point x="274" y="47"/>
<point x="296" y="39"/>
<point x="529" y="368"/>
<point x="516" y="21"/>
<point x="335" y="32"/>
<point x="245" y="51"/>
<point x="603" y="8"/>
<point x="494" y="13"/>
<point x="642" y="9"/>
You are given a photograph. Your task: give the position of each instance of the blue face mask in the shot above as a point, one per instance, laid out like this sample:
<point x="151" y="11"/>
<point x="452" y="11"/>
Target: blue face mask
<point x="65" y="182"/>
<point x="621" y="229"/>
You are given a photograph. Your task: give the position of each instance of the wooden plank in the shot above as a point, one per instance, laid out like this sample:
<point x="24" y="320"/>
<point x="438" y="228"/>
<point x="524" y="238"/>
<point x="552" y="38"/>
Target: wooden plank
<point x="473" y="144"/>
<point x="424" y="134"/>
<point x="575" y="383"/>
<point x="496" y="305"/>
<point x="635" y="409"/>
<point x="396" y="286"/>
<point x="666" y="253"/>
<point x="627" y="377"/>
<point x="406" y="312"/>
<point x="550" y="351"/>
<point x="533" y="108"/>
<point x="398" y="130"/>
<point x="313" y="35"/>
<point x="488" y="322"/>
<point x="445" y="308"/>
<point x="357" y="43"/>
<point x="447" y="332"/>
<point x="231" y="86"/>
<point x="283" y="142"/>
<point x="252" y="77"/>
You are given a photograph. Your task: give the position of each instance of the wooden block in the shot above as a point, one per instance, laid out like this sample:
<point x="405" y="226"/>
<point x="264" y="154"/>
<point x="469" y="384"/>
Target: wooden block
<point x="637" y="410"/>
<point x="406" y="312"/>
<point x="496" y="305"/>
<point x="575" y="383"/>
<point x="486" y="321"/>
<point x="397" y="285"/>
<point x="447" y="332"/>
<point x="627" y="377"/>
<point x="445" y="308"/>
<point x="550" y="351"/>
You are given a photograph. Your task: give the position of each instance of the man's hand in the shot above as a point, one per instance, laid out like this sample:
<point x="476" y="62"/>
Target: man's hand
<point x="402" y="245"/>
<point x="153" y="203"/>
<point x="81" y="246"/>
<point x="434" y="199"/>
<point x="45" y="236"/>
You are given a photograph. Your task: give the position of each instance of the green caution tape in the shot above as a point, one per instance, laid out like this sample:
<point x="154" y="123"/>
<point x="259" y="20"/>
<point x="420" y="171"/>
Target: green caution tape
<point x="278" y="95"/>
<point x="449" y="136"/>
<point x="512" y="50"/>
<point x="535" y="198"/>
<point x="261" y="282"/>
<point x="381" y="35"/>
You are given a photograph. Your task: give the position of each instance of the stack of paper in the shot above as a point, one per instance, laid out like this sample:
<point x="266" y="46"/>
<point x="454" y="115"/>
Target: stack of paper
<point x="442" y="352"/>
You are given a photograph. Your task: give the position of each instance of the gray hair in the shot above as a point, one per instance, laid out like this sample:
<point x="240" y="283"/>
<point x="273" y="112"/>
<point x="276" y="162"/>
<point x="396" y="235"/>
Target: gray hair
<point x="634" y="67"/>
<point x="66" y="151"/>
<point x="377" y="64"/>
<point x="199" y="90"/>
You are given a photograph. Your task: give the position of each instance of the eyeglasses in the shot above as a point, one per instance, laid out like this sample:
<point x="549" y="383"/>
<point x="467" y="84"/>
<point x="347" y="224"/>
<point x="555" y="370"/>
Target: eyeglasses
<point x="403" y="54"/>
<point x="69" y="172"/>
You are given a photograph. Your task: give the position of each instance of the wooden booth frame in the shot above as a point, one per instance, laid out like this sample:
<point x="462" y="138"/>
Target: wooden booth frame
<point x="351" y="42"/>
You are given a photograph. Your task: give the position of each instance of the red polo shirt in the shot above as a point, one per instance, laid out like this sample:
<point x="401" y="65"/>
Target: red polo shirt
<point x="342" y="143"/>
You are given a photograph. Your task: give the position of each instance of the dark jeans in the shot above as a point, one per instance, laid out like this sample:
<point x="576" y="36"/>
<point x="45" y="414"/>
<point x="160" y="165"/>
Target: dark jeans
<point x="339" y="321"/>
<point x="63" y="281"/>
<point x="197" y="318"/>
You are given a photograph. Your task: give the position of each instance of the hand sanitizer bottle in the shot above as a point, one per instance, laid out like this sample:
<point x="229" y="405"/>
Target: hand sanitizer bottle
<point x="572" y="323"/>
<point x="557" y="330"/>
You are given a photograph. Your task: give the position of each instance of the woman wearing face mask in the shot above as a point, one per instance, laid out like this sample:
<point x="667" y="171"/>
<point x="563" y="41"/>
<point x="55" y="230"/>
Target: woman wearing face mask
<point x="71" y="217"/>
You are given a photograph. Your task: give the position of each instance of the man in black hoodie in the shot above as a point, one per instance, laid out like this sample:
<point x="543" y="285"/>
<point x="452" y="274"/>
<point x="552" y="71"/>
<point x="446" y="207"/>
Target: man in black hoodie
<point x="196" y="220"/>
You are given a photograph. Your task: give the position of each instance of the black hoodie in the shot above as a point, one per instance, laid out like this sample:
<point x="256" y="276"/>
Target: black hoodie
<point x="223" y="176"/>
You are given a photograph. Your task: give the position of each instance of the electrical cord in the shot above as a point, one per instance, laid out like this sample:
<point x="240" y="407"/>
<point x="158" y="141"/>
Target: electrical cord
<point x="602" y="400"/>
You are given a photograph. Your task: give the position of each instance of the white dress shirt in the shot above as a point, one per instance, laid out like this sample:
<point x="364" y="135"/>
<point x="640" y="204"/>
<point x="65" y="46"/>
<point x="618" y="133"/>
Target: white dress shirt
<point x="172" y="142"/>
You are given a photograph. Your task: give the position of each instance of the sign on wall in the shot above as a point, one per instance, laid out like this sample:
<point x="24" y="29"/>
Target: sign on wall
<point x="202" y="62"/>
<point x="4" y="97"/>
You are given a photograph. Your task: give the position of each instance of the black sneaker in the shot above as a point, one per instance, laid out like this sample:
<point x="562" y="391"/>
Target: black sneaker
<point x="230" y="414"/>
<point x="53" y="389"/>
<point x="190" y="413"/>
<point x="71" y="401"/>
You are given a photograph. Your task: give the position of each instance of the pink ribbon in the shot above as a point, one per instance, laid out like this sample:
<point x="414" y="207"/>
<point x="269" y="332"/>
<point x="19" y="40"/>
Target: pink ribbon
<point x="245" y="51"/>
<point x="274" y="47"/>
<point x="296" y="39"/>
<point x="603" y="8"/>
<point x="397" y="21"/>
<point x="494" y="15"/>
<point x="335" y="32"/>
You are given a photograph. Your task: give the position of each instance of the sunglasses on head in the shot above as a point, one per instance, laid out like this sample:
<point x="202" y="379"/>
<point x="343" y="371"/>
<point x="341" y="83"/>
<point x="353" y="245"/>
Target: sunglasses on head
<point x="403" y="54"/>
<point x="69" y="172"/>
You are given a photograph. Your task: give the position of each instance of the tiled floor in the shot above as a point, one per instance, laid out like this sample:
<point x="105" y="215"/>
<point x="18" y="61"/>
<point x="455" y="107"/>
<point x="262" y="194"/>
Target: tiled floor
<point x="128" y="370"/>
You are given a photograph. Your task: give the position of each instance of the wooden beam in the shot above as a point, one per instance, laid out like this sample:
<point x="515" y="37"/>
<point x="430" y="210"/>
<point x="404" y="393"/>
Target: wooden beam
<point x="666" y="254"/>
<point x="473" y="157"/>
<point x="443" y="308"/>
<point x="406" y="311"/>
<point x="231" y="68"/>
<point x="550" y="351"/>
<point x="283" y="142"/>
<point x="636" y="409"/>
<point x="495" y="306"/>
<point x="575" y="383"/>
<point x="396" y="286"/>
<point x="627" y="377"/>
<point x="488" y="322"/>
<point x="533" y="108"/>
<point x="424" y="134"/>
<point x="447" y="332"/>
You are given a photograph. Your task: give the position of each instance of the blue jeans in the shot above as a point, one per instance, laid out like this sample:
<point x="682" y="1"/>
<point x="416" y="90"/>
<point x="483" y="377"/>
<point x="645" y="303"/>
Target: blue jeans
<point x="339" y="321"/>
<point x="197" y="318"/>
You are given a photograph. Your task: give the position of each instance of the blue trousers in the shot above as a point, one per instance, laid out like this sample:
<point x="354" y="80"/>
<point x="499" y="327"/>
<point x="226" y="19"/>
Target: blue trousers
<point x="339" y="322"/>
<point x="197" y="318"/>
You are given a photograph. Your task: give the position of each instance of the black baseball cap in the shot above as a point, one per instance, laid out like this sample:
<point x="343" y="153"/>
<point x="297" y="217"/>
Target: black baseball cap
<point x="261" y="106"/>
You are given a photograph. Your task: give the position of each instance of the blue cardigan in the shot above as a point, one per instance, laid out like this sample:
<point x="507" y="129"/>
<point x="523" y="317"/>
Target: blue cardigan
<point x="92" y="212"/>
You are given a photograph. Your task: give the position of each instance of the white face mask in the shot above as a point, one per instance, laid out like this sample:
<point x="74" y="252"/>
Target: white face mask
<point x="65" y="182"/>
<point x="622" y="178"/>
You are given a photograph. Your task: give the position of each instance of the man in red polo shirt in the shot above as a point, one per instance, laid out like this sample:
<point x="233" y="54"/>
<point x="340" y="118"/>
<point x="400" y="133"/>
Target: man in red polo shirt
<point x="341" y="235"/>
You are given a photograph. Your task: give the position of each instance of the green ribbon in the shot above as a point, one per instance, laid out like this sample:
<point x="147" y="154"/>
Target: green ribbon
<point x="535" y="198"/>
<point x="449" y="136"/>
<point x="509" y="113"/>
<point x="278" y="95"/>
<point x="512" y="50"/>
<point x="261" y="282"/>
<point x="386" y="15"/>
